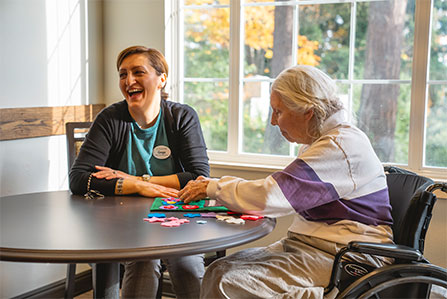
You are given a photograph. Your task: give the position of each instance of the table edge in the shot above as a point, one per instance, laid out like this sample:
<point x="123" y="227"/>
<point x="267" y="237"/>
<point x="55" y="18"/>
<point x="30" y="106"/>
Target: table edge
<point x="112" y="255"/>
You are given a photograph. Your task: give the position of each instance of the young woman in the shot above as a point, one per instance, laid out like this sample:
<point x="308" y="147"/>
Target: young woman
<point x="149" y="146"/>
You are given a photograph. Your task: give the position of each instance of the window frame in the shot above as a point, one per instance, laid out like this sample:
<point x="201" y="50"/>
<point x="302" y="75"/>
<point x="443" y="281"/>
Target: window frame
<point x="234" y="156"/>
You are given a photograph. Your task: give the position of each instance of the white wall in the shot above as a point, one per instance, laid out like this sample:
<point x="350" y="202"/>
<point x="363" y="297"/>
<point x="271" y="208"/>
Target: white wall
<point x="44" y="61"/>
<point x="129" y="23"/>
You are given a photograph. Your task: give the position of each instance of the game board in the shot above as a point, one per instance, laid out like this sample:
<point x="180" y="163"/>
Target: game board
<point x="174" y="204"/>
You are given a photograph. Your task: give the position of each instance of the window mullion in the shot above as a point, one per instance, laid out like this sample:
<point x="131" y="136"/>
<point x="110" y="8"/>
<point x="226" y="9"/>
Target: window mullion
<point x="294" y="41"/>
<point x="173" y="44"/>
<point x="351" y="62"/>
<point x="234" y="107"/>
<point x="418" y="85"/>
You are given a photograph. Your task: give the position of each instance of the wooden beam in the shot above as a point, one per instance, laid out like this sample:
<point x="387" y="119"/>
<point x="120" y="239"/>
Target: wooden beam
<point x="19" y="123"/>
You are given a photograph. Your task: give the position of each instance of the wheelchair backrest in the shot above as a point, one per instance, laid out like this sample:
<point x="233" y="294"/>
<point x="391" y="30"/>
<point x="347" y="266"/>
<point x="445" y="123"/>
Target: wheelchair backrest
<point x="411" y="207"/>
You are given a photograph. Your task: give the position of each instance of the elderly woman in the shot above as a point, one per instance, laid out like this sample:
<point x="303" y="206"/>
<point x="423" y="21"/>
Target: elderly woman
<point x="336" y="189"/>
<point x="149" y="146"/>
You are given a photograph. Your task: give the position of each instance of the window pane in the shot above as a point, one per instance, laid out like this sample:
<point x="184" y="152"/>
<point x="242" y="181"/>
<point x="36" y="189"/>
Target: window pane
<point x="268" y="44"/>
<point x="383" y="113"/>
<point x="254" y="1"/>
<point x="438" y="53"/>
<point x="436" y="133"/>
<point x="206" y="2"/>
<point x="384" y="40"/>
<point x="259" y="135"/>
<point x="210" y="99"/>
<point x="207" y="37"/>
<point x="323" y="39"/>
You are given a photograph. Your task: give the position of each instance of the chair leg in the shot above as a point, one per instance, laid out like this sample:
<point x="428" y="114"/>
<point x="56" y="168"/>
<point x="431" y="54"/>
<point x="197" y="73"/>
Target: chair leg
<point x="70" y="281"/>
<point x="160" y="286"/>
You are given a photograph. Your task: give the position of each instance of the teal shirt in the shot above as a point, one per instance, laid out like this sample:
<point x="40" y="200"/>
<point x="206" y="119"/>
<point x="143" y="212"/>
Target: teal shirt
<point x="147" y="151"/>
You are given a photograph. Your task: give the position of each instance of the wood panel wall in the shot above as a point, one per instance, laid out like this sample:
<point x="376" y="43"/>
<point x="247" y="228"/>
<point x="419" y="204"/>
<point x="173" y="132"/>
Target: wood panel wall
<point x="19" y="123"/>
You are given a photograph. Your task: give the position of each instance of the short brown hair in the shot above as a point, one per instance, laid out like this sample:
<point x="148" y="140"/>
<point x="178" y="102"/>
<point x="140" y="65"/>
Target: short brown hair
<point x="155" y="57"/>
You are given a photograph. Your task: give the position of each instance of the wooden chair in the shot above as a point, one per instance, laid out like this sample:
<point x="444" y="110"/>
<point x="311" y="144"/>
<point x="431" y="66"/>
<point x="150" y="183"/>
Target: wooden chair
<point x="75" y="133"/>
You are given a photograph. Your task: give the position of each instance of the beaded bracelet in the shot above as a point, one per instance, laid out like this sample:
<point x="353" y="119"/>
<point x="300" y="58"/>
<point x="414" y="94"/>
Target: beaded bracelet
<point x="92" y="194"/>
<point x="119" y="186"/>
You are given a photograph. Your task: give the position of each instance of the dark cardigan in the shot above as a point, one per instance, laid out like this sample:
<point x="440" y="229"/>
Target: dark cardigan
<point x="107" y="139"/>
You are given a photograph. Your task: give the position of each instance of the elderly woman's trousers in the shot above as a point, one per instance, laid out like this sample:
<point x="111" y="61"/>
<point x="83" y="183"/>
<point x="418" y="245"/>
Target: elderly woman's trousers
<point x="295" y="267"/>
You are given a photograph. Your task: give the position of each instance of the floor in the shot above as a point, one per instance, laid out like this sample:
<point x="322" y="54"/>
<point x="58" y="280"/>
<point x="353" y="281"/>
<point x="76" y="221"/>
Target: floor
<point x="89" y="295"/>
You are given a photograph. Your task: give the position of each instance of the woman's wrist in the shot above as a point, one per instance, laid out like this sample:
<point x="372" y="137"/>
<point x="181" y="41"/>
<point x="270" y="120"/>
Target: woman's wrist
<point x="146" y="177"/>
<point x="119" y="186"/>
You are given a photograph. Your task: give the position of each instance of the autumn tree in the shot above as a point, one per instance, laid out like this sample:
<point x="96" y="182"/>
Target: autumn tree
<point x="378" y="104"/>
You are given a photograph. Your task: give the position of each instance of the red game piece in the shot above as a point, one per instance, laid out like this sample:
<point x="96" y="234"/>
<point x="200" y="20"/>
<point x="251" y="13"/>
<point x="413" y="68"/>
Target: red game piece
<point x="190" y="207"/>
<point x="251" y="217"/>
<point x="169" y="207"/>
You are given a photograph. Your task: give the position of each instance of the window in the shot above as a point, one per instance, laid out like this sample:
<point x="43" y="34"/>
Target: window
<point x="389" y="59"/>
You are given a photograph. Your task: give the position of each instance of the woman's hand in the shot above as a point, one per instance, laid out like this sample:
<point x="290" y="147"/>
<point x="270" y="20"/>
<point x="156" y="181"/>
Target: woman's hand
<point x="154" y="190"/>
<point x="194" y="190"/>
<point x="109" y="173"/>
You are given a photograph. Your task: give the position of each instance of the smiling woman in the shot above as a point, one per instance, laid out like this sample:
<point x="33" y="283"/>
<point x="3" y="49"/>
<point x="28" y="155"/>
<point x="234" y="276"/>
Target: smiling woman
<point x="149" y="146"/>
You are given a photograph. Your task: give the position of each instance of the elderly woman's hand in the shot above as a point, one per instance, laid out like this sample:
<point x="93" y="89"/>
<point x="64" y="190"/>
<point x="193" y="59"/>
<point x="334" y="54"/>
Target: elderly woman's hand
<point x="194" y="190"/>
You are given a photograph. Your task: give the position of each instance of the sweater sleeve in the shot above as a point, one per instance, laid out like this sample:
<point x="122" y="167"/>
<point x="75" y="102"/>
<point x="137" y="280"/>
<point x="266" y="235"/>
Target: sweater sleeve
<point x="328" y="182"/>
<point x="94" y="151"/>
<point x="258" y="197"/>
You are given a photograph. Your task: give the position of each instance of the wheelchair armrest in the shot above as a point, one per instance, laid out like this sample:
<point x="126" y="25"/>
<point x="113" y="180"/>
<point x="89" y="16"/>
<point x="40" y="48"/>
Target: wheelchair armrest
<point x="399" y="252"/>
<point x="388" y="250"/>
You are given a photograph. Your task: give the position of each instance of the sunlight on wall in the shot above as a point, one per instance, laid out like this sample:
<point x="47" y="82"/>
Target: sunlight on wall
<point x="67" y="35"/>
<point x="66" y="54"/>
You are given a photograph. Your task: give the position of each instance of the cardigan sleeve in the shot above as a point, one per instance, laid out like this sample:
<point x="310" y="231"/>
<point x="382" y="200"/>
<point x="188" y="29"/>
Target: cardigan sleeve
<point x="95" y="150"/>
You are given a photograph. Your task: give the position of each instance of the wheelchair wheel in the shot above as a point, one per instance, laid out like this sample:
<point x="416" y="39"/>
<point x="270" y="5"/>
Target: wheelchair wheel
<point x="398" y="281"/>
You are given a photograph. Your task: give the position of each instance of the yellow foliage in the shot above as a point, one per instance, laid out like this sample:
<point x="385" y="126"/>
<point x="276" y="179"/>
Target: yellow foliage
<point x="259" y="27"/>
<point x="204" y="2"/>
<point x="213" y="25"/>
<point x="306" y="50"/>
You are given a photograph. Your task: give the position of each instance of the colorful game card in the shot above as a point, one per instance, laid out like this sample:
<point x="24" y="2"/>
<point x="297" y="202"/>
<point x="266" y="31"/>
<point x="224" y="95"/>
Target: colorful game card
<point x="175" y="204"/>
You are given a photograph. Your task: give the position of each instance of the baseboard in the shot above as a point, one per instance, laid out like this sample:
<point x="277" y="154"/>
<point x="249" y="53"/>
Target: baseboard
<point x="83" y="283"/>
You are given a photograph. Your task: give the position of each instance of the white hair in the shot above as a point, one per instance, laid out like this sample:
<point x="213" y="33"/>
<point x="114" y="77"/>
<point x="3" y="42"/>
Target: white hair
<point x="303" y="88"/>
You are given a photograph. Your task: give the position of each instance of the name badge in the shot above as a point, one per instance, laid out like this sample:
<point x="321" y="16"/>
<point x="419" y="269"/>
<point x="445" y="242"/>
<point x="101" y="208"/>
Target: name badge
<point x="161" y="152"/>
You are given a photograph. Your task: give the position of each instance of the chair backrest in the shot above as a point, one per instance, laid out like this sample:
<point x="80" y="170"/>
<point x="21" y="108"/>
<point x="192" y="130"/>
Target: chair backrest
<point x="411" y="206"/>
<point x="75" y="132"/>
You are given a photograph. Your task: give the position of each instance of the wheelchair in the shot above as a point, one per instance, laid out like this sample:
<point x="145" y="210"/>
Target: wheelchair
<point x="411" y="275"/>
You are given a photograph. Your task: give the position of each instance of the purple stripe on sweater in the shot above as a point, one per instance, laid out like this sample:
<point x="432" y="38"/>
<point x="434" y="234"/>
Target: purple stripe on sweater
<point x="303" y="188"/>
<point x="316" y="200"/>
<point x="371" y="209"/>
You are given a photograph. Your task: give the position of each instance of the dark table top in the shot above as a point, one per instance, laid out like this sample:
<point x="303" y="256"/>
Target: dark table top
<point x="59" y="227"/>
